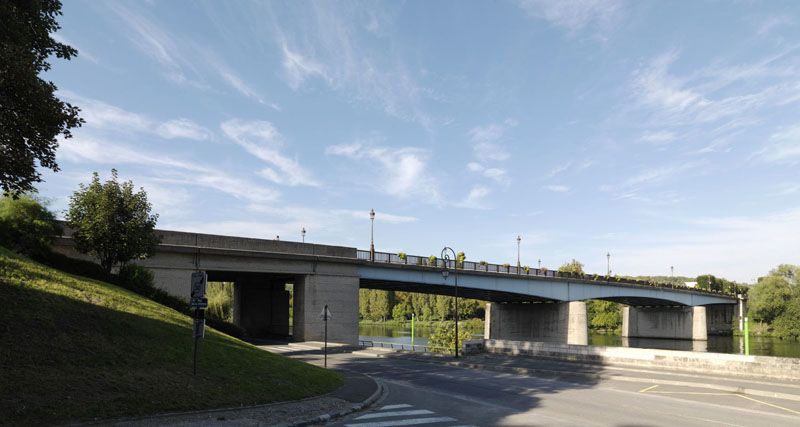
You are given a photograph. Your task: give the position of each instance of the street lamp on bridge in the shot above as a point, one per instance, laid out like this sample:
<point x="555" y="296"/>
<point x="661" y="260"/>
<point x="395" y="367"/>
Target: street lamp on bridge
<point x="303" y="232"/>
<point x="445" y="273"/>
<point x="371" y="235"/>
<point x="608" y="263"/>
<point x="519" y="239"/>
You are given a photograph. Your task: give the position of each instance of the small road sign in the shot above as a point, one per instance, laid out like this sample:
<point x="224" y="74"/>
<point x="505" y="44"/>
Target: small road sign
<point x="325" y="314"/>
<point x="199" y="280"/>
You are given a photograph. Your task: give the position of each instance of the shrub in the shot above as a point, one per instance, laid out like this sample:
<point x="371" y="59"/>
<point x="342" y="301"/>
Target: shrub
<point x="443" y="338"/>
<point x="402" y="255"/>
<point x="76" y="266"/>
<point x="527" y="269"/>
<point x="506" y="265"/>
<point x="26" y="226"/>
<point x="220" y="301"/>
<point x="432" y="260"/>
<point x="482" y="262"/>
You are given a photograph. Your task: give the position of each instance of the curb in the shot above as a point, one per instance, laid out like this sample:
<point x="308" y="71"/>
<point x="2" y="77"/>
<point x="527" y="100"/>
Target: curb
<point x="599" y="376"/>
<point x="344" y="412"/>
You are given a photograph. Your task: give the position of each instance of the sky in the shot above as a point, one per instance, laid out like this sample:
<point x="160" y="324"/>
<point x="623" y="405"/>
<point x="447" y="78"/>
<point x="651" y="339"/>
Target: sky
<point x="663" y="133"/>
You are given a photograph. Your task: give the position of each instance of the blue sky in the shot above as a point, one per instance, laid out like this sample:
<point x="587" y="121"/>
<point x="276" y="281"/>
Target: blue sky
<point x="665" y="133"/>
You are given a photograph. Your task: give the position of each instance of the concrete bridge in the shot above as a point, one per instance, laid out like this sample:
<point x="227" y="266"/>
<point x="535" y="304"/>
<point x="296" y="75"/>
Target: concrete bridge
<point x="524" y="304"/>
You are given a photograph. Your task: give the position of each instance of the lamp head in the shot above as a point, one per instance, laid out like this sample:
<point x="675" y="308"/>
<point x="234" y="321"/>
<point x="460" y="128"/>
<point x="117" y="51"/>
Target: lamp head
<point x="445" y="273"/>
<point x="372" y="214"/>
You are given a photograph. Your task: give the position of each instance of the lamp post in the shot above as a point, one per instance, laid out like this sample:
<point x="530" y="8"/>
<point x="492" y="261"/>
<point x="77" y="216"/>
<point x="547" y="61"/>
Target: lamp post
<point x="608" y="263"/>
<point x="519" y="239"/>
<point x="671" y="271"/>
<point x="371" y="235"/>
<point x="540" y="263"/>
<point x="303" y="232"/>
<point x="445" y="273"/>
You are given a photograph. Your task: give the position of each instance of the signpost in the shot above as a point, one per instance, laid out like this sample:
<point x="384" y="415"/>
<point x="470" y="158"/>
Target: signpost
<point x="199" y="302"/>
<point x="325" y="315"/>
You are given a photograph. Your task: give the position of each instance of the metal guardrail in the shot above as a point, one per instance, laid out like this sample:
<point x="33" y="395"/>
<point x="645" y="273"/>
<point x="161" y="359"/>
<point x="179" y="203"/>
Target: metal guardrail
<point x="397" y="346"/>
<point x="435" y="262"/>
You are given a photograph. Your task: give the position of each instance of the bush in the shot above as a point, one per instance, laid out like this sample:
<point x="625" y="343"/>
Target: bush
<point x="220" y="301"/>
<point x="402" y="255"/>
<point x="76" y="266"/>
<point x="26" y="226"/>
<point x="432" y="260"/>
<point x="443" y="339"/>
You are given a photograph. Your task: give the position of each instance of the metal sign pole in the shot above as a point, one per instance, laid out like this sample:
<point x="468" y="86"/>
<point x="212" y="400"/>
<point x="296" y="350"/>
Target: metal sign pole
<point x="326" y="335"/>
<point x="194" y="361"/>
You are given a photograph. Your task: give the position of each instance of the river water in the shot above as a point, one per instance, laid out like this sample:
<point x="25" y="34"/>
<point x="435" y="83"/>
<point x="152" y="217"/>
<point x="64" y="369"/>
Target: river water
<point x="401" y="334"/>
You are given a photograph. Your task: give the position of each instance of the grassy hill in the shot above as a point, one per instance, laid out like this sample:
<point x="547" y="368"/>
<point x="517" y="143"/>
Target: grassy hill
<point x="77" y="349"/>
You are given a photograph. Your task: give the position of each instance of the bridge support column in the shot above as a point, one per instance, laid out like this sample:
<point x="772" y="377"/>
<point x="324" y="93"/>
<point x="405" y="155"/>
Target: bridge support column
<point x="687" y="323"/>
<point x="549" y="322"/>
<point x="311" y="293"/>
<point x="261" y="306"/>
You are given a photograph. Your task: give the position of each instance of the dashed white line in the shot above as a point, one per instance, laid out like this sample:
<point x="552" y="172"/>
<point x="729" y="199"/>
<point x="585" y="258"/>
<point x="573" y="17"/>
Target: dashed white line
<point x="394" y="414"/>
<point x="399" y="406"/>
<point x="406" y="422"/>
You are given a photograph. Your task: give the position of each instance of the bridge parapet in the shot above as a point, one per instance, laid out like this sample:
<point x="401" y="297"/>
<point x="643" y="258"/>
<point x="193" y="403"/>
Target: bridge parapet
<point x="511" y="270"/>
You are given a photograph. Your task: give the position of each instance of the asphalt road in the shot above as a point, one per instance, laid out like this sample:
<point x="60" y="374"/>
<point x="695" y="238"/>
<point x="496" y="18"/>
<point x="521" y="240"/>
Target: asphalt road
<point x="423" y="393"/>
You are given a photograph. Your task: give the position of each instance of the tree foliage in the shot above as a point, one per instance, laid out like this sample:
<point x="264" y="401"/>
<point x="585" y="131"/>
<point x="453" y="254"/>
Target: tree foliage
<point x="31" y="116"/>
<point x="378" y="305"/>
<point x="443" y="339"/>
<point x="26" y="226"/>
<point x="604" y="314"/>
<point x="112" y="222"/>
<point x="769" y="298"/>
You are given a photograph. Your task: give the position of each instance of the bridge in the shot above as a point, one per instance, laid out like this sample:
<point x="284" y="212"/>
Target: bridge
<point x="526" y="304"/>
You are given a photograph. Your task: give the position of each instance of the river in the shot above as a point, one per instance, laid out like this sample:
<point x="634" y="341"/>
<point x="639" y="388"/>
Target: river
<point x="764" y="346"/>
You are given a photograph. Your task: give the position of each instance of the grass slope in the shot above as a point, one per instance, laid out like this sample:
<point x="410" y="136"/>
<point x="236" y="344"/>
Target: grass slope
<point x="76" y="349"/>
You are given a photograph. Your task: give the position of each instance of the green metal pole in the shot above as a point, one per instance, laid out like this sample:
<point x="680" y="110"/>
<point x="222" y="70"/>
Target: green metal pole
<point x="412" y="331"/>
<point x="746" y="337"/>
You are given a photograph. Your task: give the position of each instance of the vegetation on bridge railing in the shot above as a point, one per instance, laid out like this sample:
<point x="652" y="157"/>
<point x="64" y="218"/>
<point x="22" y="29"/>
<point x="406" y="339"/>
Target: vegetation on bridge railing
<point x="715" y="286"/>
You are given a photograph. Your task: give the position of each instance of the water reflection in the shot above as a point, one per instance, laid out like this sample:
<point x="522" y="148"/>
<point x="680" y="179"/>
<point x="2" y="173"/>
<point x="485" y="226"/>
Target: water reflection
<point x="764" y="346"/>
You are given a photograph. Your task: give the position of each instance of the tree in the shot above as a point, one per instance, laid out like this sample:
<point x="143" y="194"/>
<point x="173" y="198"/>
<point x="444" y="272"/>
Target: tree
<point x="31" y="117"/>
<point x="604" y="314"/>
<point x="572" y="267"/>
<point x="789" y="272"/>
<point x="111" y="222"/>
<point x="769" y="298"/>
<point x="26" y="226"/>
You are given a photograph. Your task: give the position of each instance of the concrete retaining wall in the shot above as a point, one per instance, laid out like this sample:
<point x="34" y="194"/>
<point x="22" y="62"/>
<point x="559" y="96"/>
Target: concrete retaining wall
<point x="783" y="368"/>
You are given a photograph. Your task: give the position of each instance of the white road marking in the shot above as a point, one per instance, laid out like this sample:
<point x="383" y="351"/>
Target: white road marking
<point x="400" y="406"/>
<point x="407" y="422"/>
<point x="394" y="414"/>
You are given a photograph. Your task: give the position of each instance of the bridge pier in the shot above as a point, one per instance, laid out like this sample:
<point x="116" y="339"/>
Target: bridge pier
<point x="261" y="305"/>
<point x="340" y="292"/>
<point x="563" y="322"/>
<point x="685" y="323"/>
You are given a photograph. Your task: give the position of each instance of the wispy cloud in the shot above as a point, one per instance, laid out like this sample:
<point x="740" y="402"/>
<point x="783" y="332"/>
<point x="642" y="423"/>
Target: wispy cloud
<point x="783" y="147"/>
<point x="486" y="140"/>
<point x="402" y="171"/>
<point x="82" y="53"/>
<point x="658" y="137"/>
<point x="556" y="188"/>
<point x="575" y="15"/>
<point x="475" y="199"/>
<point x="183" y="128"/>
<point x="167" y="169"/>
<point x="262" y="140"/>
<point x="498" y="175"/>
<point x="652" y="176"/>
<point x="100" y="115"/>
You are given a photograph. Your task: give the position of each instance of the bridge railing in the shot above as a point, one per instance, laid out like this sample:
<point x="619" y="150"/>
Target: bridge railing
<point x="435" y="262"/>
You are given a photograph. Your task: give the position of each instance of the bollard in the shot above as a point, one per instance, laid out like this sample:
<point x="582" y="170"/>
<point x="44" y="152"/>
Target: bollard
<point x="746" y="337"/>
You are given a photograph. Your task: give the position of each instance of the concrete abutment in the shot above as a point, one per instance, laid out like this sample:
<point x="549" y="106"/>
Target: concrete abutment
<point x="340" y="292"/>
<point x="686" y="323"/>
<point x="564" y="322"/>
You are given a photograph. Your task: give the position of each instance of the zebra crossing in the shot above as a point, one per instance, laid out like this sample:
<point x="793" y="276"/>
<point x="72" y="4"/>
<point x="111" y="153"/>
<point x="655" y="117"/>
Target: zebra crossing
<point x="402" y="415"/>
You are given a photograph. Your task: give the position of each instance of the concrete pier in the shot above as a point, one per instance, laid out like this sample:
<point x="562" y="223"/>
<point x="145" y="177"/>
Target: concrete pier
<point x="687" y="323"/>
<point x="311" y="293"/>
<point x="547" y="322"/>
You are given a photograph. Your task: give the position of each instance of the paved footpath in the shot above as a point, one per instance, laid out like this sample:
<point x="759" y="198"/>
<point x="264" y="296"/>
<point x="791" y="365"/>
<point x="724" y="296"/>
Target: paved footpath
<point x="489" y="390"/>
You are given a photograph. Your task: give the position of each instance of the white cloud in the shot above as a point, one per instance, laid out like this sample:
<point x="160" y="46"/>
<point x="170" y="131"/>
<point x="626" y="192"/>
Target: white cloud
<point x="475" y="167"/>
<point x="496" y="174"/>
<point x="261" y="139"/>
<point x="86" y="148"/>
<point x="299" y="68"/>
<point x="770" y="24"/>
<point x="649" y="177"/>
<point x="82" y="53"/>
<point x="556" y="188"/>
<point x="575" y="15"/>
<point x="783" y="147"/>
<point x="475" y="198"/>
<point x="403" y="171"/>
<point x="183" y="128"/>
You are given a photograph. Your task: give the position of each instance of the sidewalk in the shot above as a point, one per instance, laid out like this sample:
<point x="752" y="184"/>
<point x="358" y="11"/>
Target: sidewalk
<point x="358" y="392"/>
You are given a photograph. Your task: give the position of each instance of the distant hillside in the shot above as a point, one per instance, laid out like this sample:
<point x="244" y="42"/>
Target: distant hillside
<point x="77" y="349"/>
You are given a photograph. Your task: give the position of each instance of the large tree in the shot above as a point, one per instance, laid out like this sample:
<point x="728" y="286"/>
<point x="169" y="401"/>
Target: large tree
<point x="31" y="116"/>
<point x="112" y="222"/>
<point x="573" y="266"/>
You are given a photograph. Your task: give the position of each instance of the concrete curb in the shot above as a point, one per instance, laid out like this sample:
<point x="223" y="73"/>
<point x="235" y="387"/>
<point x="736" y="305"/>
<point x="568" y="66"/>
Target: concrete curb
<point x="379" y="391"/>
<point x="600" y="376"/>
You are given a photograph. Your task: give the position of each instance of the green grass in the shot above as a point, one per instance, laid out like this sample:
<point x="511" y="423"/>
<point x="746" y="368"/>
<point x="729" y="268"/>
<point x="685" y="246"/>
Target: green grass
<point x="75" y="349"/>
